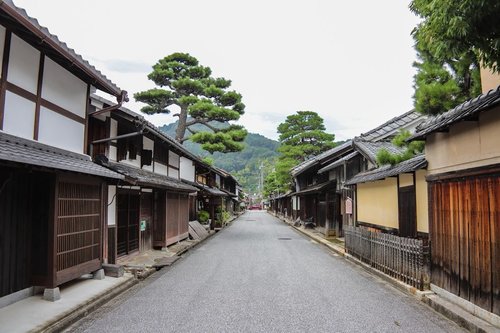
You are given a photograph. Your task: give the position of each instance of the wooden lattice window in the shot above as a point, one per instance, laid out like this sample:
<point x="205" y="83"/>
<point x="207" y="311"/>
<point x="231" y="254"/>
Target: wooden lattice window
<point x="78" y="228"/>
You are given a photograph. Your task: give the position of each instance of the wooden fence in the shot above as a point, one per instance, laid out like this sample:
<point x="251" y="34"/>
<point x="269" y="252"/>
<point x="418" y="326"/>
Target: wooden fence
<point x="405" y="259"/>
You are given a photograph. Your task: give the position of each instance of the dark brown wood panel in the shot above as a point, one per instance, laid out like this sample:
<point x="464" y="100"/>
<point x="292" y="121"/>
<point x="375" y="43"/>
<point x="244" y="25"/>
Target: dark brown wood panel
<point x="78" y="227"/>
<point x="127" y="204"/>
<point x="147" y="218"/>
<point x="464" y="233"/>
<point x="183" y="215"/>
<point x="407" y="212"/>
<point x="111" y="244"/>
<point x="172" y="217"/>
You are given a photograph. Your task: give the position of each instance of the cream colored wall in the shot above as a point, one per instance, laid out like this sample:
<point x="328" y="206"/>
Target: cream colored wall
<point x="468" y="144"/>
<point x="405" y="179"/>
<point x="489" y="80"/>
<point x="422" y="201"/>
<point x="377" y="202"/>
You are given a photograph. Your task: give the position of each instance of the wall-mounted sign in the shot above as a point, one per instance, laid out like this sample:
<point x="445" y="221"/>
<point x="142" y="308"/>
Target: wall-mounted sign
<point x="348" y="205"/>
<point x="143" y="225"/>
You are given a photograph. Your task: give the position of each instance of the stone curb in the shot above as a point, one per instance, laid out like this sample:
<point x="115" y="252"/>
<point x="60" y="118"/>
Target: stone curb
<point x="450" y="310"/>
<point x="69" y="317"/>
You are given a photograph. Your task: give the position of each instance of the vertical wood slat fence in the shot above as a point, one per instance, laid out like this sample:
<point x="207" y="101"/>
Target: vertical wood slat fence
<point x="405" y="259"/>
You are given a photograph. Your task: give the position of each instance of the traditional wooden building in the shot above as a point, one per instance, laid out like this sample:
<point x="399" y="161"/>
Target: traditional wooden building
<point x="52" y="196"/>
<point x="150" y="209"/>
<point x="463" y="152"/>
<point x="393" y="199"/>
<point x="321" y="193"/>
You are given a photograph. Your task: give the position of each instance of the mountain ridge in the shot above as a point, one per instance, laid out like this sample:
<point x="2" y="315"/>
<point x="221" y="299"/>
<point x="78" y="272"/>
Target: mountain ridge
<point x="244" y="165"/>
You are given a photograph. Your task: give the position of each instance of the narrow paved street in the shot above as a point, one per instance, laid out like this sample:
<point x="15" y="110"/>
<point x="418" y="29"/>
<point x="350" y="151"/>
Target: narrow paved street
<point x="259" y="275"/>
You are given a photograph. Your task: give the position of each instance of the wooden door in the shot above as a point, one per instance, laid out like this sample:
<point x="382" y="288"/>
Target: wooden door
<point x="146" y="221"/>
<point x="407" y="212"/>
<point x="128" y="206"/>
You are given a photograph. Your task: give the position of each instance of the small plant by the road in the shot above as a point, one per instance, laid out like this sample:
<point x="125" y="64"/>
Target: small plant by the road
<point x="203" y="216"/>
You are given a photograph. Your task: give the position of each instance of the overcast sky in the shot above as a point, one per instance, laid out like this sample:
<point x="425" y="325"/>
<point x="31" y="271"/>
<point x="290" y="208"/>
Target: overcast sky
<point x="349" y="61"/>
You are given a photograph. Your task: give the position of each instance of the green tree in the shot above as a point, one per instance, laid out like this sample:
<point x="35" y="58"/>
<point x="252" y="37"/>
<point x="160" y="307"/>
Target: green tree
<point x="451" y="29"/>
<point x="184" y="83"/>
<point x="409" y="149"/>
<point x="302" y="136"/>
<point x="441" y="85"/>
<point x="452" y="40"/>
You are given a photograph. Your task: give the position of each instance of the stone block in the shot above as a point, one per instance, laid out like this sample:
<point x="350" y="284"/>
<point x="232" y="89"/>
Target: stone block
<point x="113" y="270"/>
<point x="99" y="274"/>
<point x="52" y="294"/>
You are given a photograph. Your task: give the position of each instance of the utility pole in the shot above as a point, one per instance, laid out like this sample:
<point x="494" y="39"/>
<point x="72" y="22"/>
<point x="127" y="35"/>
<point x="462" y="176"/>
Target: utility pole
<point x="261" y="179"/>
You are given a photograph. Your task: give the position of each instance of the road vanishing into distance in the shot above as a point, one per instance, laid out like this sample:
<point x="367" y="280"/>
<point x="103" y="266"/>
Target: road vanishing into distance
<point x="260" y="275"/>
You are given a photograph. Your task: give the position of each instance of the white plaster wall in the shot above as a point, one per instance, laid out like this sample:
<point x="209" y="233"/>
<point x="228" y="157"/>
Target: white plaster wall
<point x="19" y="116"/>
<point x="174" y="173"/>
<point x="161" y="169"/>
<point x="2" y="44"/>
<point x="63" y="88"/>
<point x="59" y="131"/>
<point x="113" y="131"/>
<point x="187" y="169"/>
<point x="148" y="144"/>
<point x="24" y="61"/>
<point x="112" y="205"/>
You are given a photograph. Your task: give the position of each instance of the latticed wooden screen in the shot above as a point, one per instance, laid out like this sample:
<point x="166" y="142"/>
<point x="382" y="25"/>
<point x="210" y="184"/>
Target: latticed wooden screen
<point x="78" y="224"/>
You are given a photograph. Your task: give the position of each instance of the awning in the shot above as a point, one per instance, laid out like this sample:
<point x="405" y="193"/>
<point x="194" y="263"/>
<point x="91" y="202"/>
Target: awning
<point x="212" y="191"/>
<point x="338" y="162"/>
<point x="316" y="188"/>
<point x="413" y="164"/>
<point x="19" y="150"/>
<point x="138" y="176"/>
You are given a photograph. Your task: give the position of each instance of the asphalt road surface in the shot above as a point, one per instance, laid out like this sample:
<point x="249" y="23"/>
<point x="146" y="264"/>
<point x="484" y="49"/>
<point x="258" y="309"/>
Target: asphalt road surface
<point x="259" y="275"/>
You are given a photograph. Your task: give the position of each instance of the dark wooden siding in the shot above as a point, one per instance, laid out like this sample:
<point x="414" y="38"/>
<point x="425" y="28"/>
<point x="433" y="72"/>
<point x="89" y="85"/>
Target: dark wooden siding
<point x="24" y="217"/>
<point x="407" y="211"/>
<point x="78" y="228"/>
<point x="147" y="217"/>
<point x="465" y="235"/>
<point x="172" y="217"/>
<point x="128" y="203"/>
<point x="183" y="215"/>
<point x="111" y="244"/>
<point x="160" y="231"/>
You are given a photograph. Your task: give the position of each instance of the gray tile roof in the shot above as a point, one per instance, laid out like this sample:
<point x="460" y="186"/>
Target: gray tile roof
<point x="316" y="188"/>
<point x="205" y="188"/>
<point x="460" y="112"/>
<point x="413" y="164"/>
<point x="316" y="159"/>
<point x="370" y="149"/>
<point x="30" y="23"/>
<point x="19" y="150"/>
<point x="338" y="162"/>
<point x="391" y="126"/>
<point x="138" y="176"/>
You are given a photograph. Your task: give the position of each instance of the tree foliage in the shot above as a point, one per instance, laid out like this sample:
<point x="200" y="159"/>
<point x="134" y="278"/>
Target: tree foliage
<point x="410" y="149"/>
<point x="302" y="136"/>
<point x="184" y="83"/>
<point x="451" y="29"/>
<point x="452" y="41"/>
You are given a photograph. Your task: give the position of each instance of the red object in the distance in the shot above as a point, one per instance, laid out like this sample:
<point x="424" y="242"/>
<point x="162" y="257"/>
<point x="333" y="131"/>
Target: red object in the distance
<point x="254" y="207"/>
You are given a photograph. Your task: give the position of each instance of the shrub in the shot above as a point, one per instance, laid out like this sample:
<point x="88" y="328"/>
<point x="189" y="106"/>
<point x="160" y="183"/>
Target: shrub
<point x="203" y="216"/>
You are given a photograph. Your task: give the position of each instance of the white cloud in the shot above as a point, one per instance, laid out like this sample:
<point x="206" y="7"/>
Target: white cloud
<point x="349" y="61"/>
